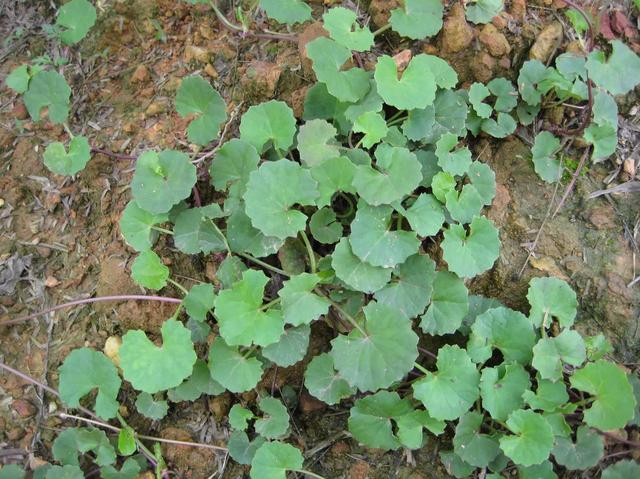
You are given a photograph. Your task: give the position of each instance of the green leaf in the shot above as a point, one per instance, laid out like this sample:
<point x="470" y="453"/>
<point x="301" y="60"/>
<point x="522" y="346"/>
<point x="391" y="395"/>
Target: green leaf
<point x="127" y="442"/>
<point x="374" y="127"/>
<point x="239" y="314"/>
<point x="62" y="163"/>
<point x="239" y="417"/>
<point x="544" y="470"/>
<point x="455" y="466"/>
<point x="605" y="109"/>
<point x="532" y="440"/>
<point x="194" y="231"/>
<point x="549" y="395"/>
<point x="415" y="88"/>
<point x="272" y="191"/>
<point x="342" y="25"/>
<point x="463" y="206"/>
<point x="505" y="94"/>
<point x="317" y="143"/>
<point x="74" y="441"/>
<point x="504" y="329"/>
<point x="64" y="472"/>
<point x="84" y="370"/>
<point x="551" y="298"/>
<point x="477" y="93"/>
<point x="613" y="404"/>
<point x="290" y="348"/>
<point x="473" y="447"/>
<point x="48" y="89"/>
<point x="425" y="215"/>
<point x="230" y="271"/>
<point x="233" y="370"/>
<point x="451" y="391"/>
<point x="18" y="79"/>
<point x="384" y="352"/>
<point x="244" y="238"/>
<point x="583" y="454"/>
<point x="411" y="291"/>
<point x="619" y="73"/>
<point x="273" y="459"/>
<point x="148" y="271"/>
<point x="320" y="104"/>
<point x="324" y="227"/>
<point x="549" y="354"/>
<point x="527" y="113"/>
<point x="197" y="97"/>
<point x="531" y="74"/>
<point x="275" y="422"/>
<point x="454" y="162"/>
<point x="371" y="102"/>
<point x="241" y="449"/>
<point x="162" y="179"/>
<point x="448" y="114"/>
<point x="129" y="470"/>
<point x="501" y="389"/>
<point x="449" y="305"/>
<point x="622" y="470"/>
<point x="287" y="11"/>
<point x="604" y="140"/>
<point x="332" y="176"/>
<point x="328" y="57"/>
<point x="150" y="368"/>
<point x="597" y="347"/>
<point x="200" y="382"/>
<point x="471" y="254"/>
<point x="136" y="226"/>
<point x="373" y="242"/>
<point x="442" y="184"/>
<point x="232" y="165"/>
<point x="544" y="151"/>
<point x="149" y="407"/>
<point x="299" y="304"/>
<point x="12" y="471"/>
<point x="323" y="382"/>
<point x="356" y="273"/>
<point x="483" y="11"/>
<point x="75" y="19"/>
<point x="270" y="123"/>
<point x="502" y="127"/>
<point x="398" y="173"/>
<point x="417" y="19"/>
<point x="199" y="301"/>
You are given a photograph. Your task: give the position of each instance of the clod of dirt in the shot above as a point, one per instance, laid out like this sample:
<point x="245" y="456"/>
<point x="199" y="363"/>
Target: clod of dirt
<point x="220" y="405"/>
<point x="310" y="33"/>
<point x="483" y="67"/>
<point x="457" y="34"/>
<point x="496" y="42"/>
<point x="198" y="54"/>
<point x="23" y="408"/>
<point x="259" y="81"/>
<point x="140" y="75"/>
<point x="190" y="461"/>
<point x="380" y="11"/>
<point x="547" y="42"/>
<point x="518" y="9"/>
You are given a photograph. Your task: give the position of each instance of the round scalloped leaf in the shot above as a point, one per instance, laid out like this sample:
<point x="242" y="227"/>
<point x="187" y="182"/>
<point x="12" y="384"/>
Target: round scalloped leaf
<point x="471" y="254"/>
<point x="417" y="19"/>
<point x="415" y="88"/>
<point x="483" y="11"/>
<point x="501" y="127"/>
<point x="197" y="97"/>
<point x="323" y="382"/>
<point x="194" y="231"/>
<point x="342" y="25"/>
<point x="149" y="271"/>
<point x="449" y="305"/>
<point x="544" y="470"/>
<point x="551" y="298"/>
<point x="604" y="140"/>
<point x="150" y="368"/>
<point x="373" y="242"/>
<point x="504" y="329"/>
<point x="446" y="77"/>
<point x="149" y="407"/>
<point x="76" y="19"/>
<point x="300" y="304"/>
<point x="532" y="440"/>
<point x="199" y="301"/>
<point x="544" y="149"/>
<point x="200" y="382"/>
<point x="374" y="127"/>
<point x="62" y="163"/>
<point x="162" y="179"/>
<point x="73" y="441"/>
<point x="477" y="93"/>
<point x="290" y="348"/>
<point x="425" y="215"/>
<point x="48" y="89"/>
<point x="270" y="123"/>
<point x="455" y="466"/>
<point x="239" y="417"/>
<point x="622" y="470"/>
<point x="549" y="354"/>
<point x="585" y="453"/>
<point x="619" y="73"/>
<point x="232" y="369"/>
<point x="614" y="403"/>
<point x="275" y="422"/>
<point x="473" y="447"/>
<point x="18" y="79"/>
<point x="328" y="57"/>
<point x="232" y="165"/>
<point x="463" y="206"/>
<point x="356" y="273"/>
<point x="531" y="74"/>
<point x="136" y="226"/>
<point x="379" y="356"/>
<point x="84" y="370"/>
<point x="287" y="11"/>
<point x="244" y="238"/>
<point x="451" y="391"/>
<point x="398" y="173"/>
<point x="411" y="291"/>
<point x="506" y="95"/>
<point x="324" y="227"/>
<point x="371" y="102"/>
<point x="448" y="114"/>
<point x="332" y="176"/>
<point x="272" y="191"/>
<point x="239" y="314"/>
<point x="241" y="449"/>
<point x="501" y="389"/>
<point x="317" y="143"/>
<point x="453" y="162"/>
<point x="549" y="396"/>
<point x="273" y="459"/>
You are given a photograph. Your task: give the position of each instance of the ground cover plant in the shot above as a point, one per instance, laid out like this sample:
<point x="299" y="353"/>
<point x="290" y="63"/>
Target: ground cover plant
<point x="367" y="216"/>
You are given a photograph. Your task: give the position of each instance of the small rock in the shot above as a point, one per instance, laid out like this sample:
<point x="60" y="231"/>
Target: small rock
<point x="260" y="80"/>
<point x="51" y="282"/>
<point x="483" y="67"/>
<point x="547" y="42"/>
<point x="112" y="349"/>
<point x="23" y="407"/>
<point x="457" y="34"/>
<point x="199" y="54"/>
<point x="603" y="217"/>
<point x="549" y="266"/>
<point x="360" y="470"/>
<point x="496" y="42"/>
<point x="156" y="108"/>
<point x="402" y="59"/>
<point x="518" y="9"/>
<point x="629" y="167"/>
<point x="211" y="71"/>
<point x="140" y="75"/>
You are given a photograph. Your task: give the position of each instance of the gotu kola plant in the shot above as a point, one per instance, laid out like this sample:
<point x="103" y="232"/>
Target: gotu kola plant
<point x="378" y="170"/>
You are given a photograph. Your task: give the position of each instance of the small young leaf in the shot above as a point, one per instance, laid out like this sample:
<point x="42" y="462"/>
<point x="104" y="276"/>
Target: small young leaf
<point x="239" y="417"/>
<point x="356" y="273"/>
<point x="471" y="254"/>
<point x="127" y="442"/>
<point x="149" y="407"/>
<point x="84" y="370"/>
<point x="136" y="226"/>
<point x="506" y="95"/>
<point x="273" y="459"/>
<point x="585" y="453"/>
<point x="275" y="422"/>
<point x="483" y="11"/>
<point x="442" y="184"/>
<point x="316" y="142"/>
<point x="199" y="301"/>
<point x="544" y="151"/>
<point x="619" y="73"/>
<point x="597" y="347"/>
<point x="290" y="348"/>
<point x="18" y="79"/>
<point x="417" y="19"/>
<point x="48" y="89"/>
<point x="244" y="238"/>
<point x="200" y="382"/>
<point x="150" y="368"/>
<point x="74" y="441"/>
<point x="549" y="396"/>
<point x="453" y="162"/>
<point x="549" y="354"/>
<point x="299" y="304"/>
<point x="287" y="11"/>
<point x="62" y="163"/>
<point x="531" y="74"/>
<point x="342" y="25"/>
<point x="374" y="127"/>
<point x="148" y="271"/>
<point x="501" y="127"/>
<point x="449" y="305"/>
<point x="501" y="390"/>
<point x="270" y="123"/>
<point x="425" y="215"/>
<point x="76" y="17"/>
<point x="473" y="447"/>
<point x="323" y="382"/>
<point x="241" y="449"/>
<point x="324" y="227"/>
<point x="197" y="97"/>
<point x="416" y="87"/>
<point x="232" y="369"/>
<point x="465" y="205"/>
<point x="551" y="298"/>
<point x="129" y="470"/>
<point x="477" y="93"/>
<point x="532" y="440"/>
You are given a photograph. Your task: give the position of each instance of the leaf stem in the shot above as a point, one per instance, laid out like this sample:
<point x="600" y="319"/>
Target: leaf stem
<point x="421" y="368"/>
<point x="178" y="285"/>
<point x="162" y="230"/>
<point x="264" y="307"/>
<point x="310" y="253"/>
<point x="224" y="238"/>
<point x="263" y="264"/>
<point x="382" y="29"/>
<point x="346" y="315"/>
<point x="397" y="121"/>
<point x="308" y="473"/>
<point x="395" y="116"/>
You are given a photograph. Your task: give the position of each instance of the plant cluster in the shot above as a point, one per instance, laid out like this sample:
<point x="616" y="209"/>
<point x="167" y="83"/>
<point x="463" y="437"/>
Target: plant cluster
<point x="353" y="203"/>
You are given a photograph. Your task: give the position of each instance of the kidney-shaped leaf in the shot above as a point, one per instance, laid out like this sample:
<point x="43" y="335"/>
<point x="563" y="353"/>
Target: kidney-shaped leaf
<point x="287" y="11"/>
<point x="585" y="453"/>
<point x="62" y="163"/>
<point x="471" y="254"/>
<point x="75" y="19"/>
<point x="417" y="19"/>
<point x="356" y="273"/>
<point x="136" y="225"/>
<point x="471" y="445"/>
<point x="232" y="369"/>
<point x="268" y="123"/>
<point x="300" y="304"/>
<point x="197" y="97"/>
<point x="324" y="382"/>
<point x="149" y="271"/>
<point x="416" y="88"/>
<point x="344" y="29"/>
<point x="532" y="438"/>
<point x="48" y="89"/>
<point x="551" y="298"/>
<point x="273" y="459"/>
<point x="449" y="305"/>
